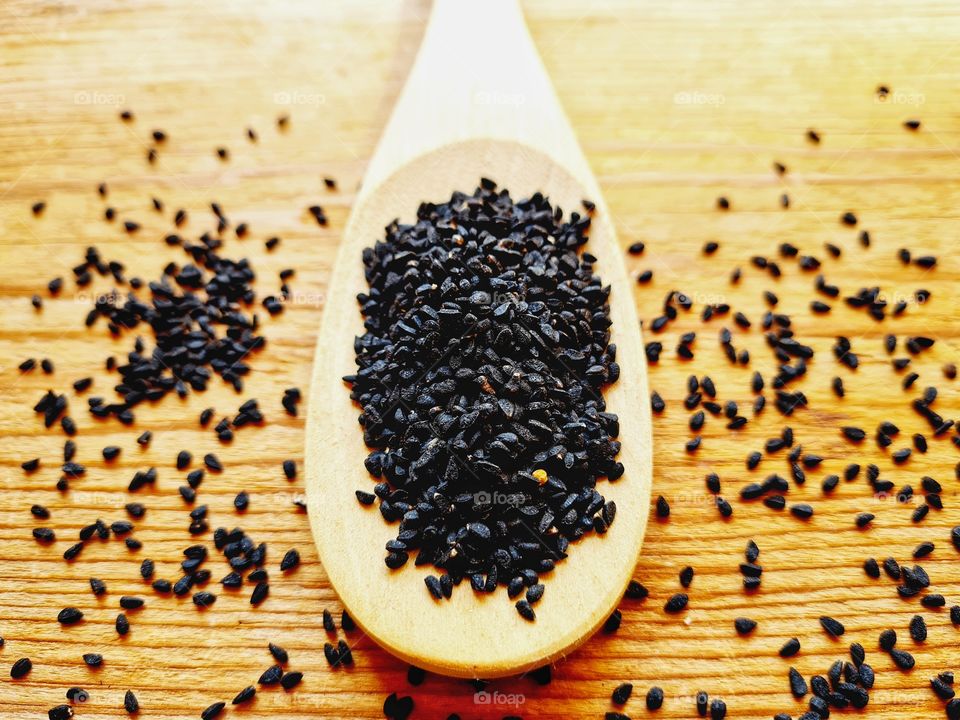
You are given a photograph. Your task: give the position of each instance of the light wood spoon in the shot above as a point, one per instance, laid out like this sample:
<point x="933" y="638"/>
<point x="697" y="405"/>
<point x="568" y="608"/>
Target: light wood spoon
<point x="478" y="102"/>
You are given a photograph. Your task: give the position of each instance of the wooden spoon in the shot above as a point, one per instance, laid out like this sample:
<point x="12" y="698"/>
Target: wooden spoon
<point x="477" y="103"/>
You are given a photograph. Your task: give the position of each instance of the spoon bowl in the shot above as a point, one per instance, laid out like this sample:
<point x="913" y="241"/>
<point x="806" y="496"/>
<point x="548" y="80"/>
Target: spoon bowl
<point x="430" y="149"/>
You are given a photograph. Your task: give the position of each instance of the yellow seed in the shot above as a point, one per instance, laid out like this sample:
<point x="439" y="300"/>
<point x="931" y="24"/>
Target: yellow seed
<point x="540" y="475"/>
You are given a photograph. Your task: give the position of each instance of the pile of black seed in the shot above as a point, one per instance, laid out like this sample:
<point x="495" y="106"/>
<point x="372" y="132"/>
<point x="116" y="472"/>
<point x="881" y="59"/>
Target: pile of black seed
<point x="480" y="373"/>
<point x="196" y="321"/>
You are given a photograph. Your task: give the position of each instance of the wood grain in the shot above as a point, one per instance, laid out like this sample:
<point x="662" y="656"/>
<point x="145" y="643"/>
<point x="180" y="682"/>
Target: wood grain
<point x="674" y="105"/>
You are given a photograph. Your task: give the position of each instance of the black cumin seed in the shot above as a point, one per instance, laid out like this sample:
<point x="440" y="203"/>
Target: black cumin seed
<point x="902" y="659"/>
<point x="259" y="593"/>
<point x="802" y="511"/>
<point x="290" y="560"/>
<point x="416" y="676"/>
<point x="864" y="519"/>
<point x="290" y="469"/>
<point x="525" y="610"/>
<point x="213" y="711"/>
<point x="93" y="659"/>
<point x="790" y="648"/>
<point x="128" y="602"/>
<point x="612" y="623"/>
<point x="798" y="686"/>
<point x="69" y="616"/>
<point x="212" y="463"/>
<point x="122" y="624"/>
<point x="346" y="655"/>
<point x="60" y="712"/>
<point x="271" y="676"/>
<point x="918" y="629"/>
<point x="245" y="695"/>
<point x="676" y="603"/>
<point x="833" y="627"/>
<point x="923" y="549"/>
<point x="636" y="248"/>
<point x="20" y="668"/>
<point x="942" y="689"/>
<point x="204" y="599"/>
<point x="622" y="694"/>
<point x="892" y="568"/>
<point x="654" y="698"/>
<point x="290" y="680"/>
<point x="686" y="576"/>
<point x="663" y="507"/>
<point x="933" y="600"/>
<point x="744" y="626"/>
<point x="279" y="654"/>
<point x="718" y="709"/>
<point x="636" y="591"/>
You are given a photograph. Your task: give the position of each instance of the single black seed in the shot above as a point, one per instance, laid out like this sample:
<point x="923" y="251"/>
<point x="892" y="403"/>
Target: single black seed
<point x="279" y="654"/>
<point x="271" y="676"/>
<point x="290" y="680"/>
<point x="677" y="603"/>
<point x="69" y="616"/>
<point x="290" y="560"/>
<point x="892" y="568"/>
<point x="213" y="711"/>
<point x="902" y="659"/>
<point x="20" y="668"/>
<point x="612" y="623"/>
<point x="290" y="469"/>
<point x="718" y="709"/>
<point x="833" y="627"/>
<point x="798" y="686"/>
<point x="790" y="648"/>
<point x="744" y="626"/>
<point x="622" y="693"/>
<point x="888" y="638"/>
<point x="60" y="712"/>
<point x="654" y="698"/>
<point x="245" y="695"/>
<point x="918" y="629"/>
<point x="933" y="600"/>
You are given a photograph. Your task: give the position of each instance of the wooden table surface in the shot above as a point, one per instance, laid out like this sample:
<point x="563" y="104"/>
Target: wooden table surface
<point x="675" y="104"/>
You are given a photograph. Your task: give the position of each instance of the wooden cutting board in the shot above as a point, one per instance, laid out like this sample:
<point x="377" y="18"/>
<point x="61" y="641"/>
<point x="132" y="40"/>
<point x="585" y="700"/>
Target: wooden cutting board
<point x="674" y="104"/>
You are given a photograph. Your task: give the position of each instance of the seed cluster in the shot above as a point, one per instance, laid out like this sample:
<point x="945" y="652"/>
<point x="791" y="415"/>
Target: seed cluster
<point x="197" y="321"/>
<point x="480" y="374"/>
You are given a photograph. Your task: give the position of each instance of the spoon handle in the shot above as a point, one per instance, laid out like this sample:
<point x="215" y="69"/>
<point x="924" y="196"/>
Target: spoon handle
<point x="477" y="76"/>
